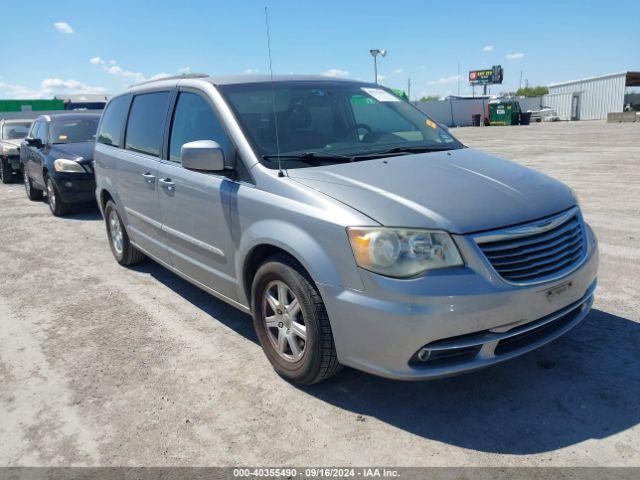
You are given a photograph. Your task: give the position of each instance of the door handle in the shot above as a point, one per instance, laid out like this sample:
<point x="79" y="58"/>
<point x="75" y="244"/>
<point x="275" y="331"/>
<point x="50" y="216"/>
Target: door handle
<point x="148" y="177"/>
<point x="167" y="184"/>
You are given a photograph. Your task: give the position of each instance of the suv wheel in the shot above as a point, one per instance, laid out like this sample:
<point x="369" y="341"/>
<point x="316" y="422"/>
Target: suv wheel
<point x="291" y="322"/>
<point x="6" y="172"/>
<point x="32" y="192"/>
<point x="124" y="253"/>
<point x="57" y="206"/>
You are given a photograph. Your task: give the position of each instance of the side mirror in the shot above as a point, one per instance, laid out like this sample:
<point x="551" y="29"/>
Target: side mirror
<point x="34" y="142"/>
<point x="202" y="155"/>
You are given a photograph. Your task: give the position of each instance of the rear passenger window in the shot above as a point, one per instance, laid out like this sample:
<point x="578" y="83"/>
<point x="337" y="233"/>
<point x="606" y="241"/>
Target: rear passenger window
<point x="144" y="128"/>
<point x="193" y="120"/>
<point x="112" y="125"/>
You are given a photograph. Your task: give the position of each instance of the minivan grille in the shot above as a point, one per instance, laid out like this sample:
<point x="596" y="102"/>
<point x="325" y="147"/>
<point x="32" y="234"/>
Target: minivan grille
<point x="536" y="252"/>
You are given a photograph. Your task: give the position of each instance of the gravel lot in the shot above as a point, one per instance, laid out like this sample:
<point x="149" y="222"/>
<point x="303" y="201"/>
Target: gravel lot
<point x="100" y="365"/>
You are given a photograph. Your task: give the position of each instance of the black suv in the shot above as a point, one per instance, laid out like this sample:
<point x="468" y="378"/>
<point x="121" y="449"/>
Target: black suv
<point x="57" y="156"/>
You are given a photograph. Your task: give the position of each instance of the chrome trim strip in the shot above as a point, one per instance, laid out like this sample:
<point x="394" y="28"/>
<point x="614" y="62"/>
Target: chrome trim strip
<point x="533" y="228"/>
<point x="488" y="337"/>
<point x="193" y="241"/>
<point x="144" y="218"/>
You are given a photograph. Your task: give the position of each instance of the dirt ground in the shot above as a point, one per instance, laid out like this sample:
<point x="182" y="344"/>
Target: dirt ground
<point x="102" y="365"/>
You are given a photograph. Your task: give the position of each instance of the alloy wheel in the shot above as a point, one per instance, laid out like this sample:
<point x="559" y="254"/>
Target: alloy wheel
<point x="284" y="321"/>
<point x="27" y="184"/>
<point x="115" y="232"/>
<point x="51" y="195"/>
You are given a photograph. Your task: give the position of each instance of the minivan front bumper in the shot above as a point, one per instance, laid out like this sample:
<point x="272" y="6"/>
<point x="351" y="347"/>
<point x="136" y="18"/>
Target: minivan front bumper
<point x="461" y="319"/>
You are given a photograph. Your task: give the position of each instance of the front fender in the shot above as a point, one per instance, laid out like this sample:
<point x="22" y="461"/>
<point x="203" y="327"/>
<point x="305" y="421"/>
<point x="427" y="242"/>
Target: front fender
<point x="337" y="269"/>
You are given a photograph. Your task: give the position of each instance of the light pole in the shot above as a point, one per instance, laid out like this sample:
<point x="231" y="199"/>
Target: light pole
<point x="374" y="53"/>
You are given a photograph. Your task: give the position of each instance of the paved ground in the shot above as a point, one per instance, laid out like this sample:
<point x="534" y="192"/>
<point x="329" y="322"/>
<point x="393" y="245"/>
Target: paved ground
<point x="102" y="365"/>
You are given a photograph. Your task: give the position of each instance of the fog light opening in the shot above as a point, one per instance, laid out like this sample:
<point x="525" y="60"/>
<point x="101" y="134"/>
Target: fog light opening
<point x="424" y="354"/>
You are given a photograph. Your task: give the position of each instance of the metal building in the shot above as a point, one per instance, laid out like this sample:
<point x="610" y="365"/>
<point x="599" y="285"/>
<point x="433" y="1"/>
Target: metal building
<point x="591" y="98"/>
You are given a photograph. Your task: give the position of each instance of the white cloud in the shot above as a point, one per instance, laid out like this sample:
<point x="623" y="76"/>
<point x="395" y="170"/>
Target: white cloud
<point x="398" y="71"/>
<point x="158" y="76"/>
<point x="184" y="70"/>
<point x="96" y="61"/>
<point x="63" y="27"/>
<point x="335" y="72"/>
<point x="515" y="56"/>
<point x="251" y="71"/>
<point x="488" y="48"/>
<point x="120" y="72"/>
<point x="50" y="87"/>
<point x="381" y="77"/>
<point x="445" y="80"/>
<point x="112" y="62"/>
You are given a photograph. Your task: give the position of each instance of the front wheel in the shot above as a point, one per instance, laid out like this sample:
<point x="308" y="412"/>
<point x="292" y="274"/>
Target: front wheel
<point x="33" y="193"/>
<point x="124" y="253"/>
<point x="57" y="206"/>
<point x="6" y="172"/>
<point x="292" y="323"/>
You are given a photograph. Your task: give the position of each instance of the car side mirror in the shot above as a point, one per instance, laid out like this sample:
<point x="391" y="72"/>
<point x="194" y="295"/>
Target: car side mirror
<point x="34" y="142"/>
<point x="202" y="155"/>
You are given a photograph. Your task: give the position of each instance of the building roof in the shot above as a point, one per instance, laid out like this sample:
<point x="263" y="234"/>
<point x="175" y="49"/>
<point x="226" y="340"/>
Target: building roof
<point x="633" y="77"/>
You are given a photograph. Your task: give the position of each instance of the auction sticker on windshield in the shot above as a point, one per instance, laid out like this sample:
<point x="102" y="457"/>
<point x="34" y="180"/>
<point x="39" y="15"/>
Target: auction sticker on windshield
<point x="380" y="95"/>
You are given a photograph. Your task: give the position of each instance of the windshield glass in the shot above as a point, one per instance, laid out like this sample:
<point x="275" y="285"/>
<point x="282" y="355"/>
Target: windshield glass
<point x="330" y="119"/>
<point x="15" y="131"/>
<point x="74" y="130"/>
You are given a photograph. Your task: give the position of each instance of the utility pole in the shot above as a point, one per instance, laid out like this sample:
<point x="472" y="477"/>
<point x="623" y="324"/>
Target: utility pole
<point x="458" y="78"/>
<point x="409" y="89"/>
<point x="520" y="79"/>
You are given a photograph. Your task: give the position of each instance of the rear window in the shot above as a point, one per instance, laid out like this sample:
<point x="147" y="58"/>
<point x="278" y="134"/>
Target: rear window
<point x="112" y="126"/>
<point x="146" y="119"/>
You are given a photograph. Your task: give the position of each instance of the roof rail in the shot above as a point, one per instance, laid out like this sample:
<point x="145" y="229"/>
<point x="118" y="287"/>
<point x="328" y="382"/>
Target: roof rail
<point x="174" y="77"/>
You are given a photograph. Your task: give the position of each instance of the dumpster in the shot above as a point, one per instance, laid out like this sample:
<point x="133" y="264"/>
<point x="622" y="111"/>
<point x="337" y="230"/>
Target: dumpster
<point x="504" y="113"/>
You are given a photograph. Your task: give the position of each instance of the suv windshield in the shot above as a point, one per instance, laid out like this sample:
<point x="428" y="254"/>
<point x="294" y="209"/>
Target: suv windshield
<point x="15" y="131"/>
<point x="325" y="122"/>
<point x="74" y="130"/>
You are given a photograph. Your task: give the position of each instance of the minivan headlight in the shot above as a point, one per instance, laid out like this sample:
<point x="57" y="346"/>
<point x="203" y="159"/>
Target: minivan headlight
<point x="400" y="252"/>
<point x="68" y="166"/>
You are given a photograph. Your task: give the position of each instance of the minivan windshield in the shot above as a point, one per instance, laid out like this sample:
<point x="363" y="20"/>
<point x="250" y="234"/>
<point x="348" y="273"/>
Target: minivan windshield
<point x="74" y="130"/>
<point x="325" y="122"/>
<point x="15" y="131"/>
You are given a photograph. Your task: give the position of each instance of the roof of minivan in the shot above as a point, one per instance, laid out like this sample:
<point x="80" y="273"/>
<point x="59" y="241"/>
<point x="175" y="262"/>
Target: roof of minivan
<point x="237" y="79"/>
<point x="69" y="116"/>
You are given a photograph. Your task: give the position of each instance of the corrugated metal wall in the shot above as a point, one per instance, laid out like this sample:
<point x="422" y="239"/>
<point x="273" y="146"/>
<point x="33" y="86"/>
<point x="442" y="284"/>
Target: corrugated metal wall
<point x="598" y="96"/>
<point x="454" y="112"/>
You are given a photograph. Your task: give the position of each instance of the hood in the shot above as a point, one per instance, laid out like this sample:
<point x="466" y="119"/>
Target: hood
<point x="73" y="151"/>
<point x="14" y="143"/>
<point x="461" y="191"/>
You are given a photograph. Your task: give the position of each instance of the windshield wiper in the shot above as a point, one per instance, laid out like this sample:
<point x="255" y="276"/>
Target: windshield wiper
<point x="395" y="150"/>
<point x="310" y="157"/>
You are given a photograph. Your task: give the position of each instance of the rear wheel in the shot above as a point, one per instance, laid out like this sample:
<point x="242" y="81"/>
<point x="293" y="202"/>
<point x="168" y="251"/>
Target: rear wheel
<point x="6" y="172"/>
<point x="292" y="323"/>
<point x="32" y="192"/>
<point x="124" y="253"/>
<point x="57" y="206"/>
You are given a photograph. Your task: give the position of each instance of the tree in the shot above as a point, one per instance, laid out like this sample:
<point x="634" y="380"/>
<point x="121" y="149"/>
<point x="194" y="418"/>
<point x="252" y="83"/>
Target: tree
<point x="430" y="98"/>
<point x="532" y="91"/>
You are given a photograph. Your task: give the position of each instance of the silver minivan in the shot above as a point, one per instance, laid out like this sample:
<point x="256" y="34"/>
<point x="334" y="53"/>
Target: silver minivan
<point x="354" y="229"/>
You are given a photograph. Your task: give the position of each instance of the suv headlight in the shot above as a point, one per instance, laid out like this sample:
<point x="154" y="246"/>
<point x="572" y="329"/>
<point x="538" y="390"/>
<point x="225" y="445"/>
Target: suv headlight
<point x="68" y="166"/>
<point x="400" y="252"/>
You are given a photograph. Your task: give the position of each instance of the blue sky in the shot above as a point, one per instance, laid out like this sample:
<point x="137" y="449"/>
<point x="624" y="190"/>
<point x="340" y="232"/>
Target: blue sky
<point x="95" y="47"/>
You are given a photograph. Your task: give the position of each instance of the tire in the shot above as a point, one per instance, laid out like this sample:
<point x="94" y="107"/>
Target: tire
<point x="6" y="172"/>
<point x="299" y="361"/>
<point x="33" y="193"/>
<point x="56" y="205"/>
<point x="124" y="253"/>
